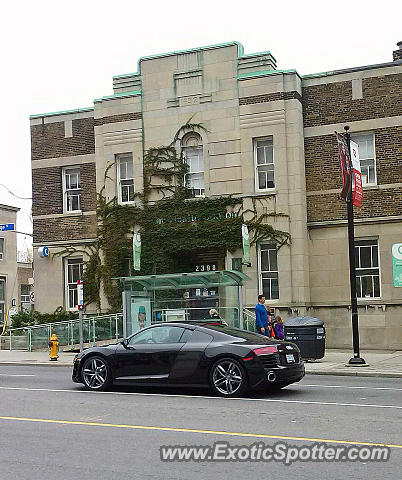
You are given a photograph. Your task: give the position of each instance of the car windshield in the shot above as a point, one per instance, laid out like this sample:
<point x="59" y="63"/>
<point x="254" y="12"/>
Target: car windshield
<point x="243" y="334"/>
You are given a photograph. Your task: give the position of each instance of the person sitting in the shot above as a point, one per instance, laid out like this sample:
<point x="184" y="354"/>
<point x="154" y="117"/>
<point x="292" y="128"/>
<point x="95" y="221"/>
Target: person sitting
<point x="213" y="313"/>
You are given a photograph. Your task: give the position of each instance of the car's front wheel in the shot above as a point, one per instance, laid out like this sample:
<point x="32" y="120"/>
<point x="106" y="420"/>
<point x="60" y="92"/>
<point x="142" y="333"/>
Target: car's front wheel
<point x="96" y="373"/>
<point x="228" y="378"/>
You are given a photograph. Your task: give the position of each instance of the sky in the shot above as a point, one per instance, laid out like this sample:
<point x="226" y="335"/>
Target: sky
<point x="62" y="55"/>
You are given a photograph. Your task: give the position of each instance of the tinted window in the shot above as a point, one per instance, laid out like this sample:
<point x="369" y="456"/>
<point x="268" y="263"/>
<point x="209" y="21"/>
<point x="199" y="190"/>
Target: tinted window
<point x="160" y="334"/>
<point x="201" y="337"/>
<point x="242" y="334"/>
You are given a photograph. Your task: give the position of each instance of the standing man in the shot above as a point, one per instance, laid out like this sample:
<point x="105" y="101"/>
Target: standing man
<point x="261" y="317"/>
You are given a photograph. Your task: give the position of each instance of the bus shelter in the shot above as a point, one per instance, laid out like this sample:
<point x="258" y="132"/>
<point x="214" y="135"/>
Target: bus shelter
<point x="181" y="296"/>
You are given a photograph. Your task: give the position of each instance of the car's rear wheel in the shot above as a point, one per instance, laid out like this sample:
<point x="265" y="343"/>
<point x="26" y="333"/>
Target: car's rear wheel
<point x="96" y="373"/>
<point x="228" y="378"/>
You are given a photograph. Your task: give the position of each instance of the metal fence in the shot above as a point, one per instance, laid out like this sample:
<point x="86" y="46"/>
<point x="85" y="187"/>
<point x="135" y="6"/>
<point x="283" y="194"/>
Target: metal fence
<point x="95" y="329"/>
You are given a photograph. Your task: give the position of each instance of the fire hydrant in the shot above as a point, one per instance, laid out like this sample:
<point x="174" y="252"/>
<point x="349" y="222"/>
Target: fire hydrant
<point x="53" y="347"/>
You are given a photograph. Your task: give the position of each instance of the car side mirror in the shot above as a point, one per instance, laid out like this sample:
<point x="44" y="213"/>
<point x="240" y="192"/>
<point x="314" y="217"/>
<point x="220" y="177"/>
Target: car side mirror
<point x="124" y="343"/>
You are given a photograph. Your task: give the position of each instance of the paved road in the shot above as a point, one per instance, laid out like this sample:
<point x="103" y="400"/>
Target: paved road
<point x="357" y="410"/>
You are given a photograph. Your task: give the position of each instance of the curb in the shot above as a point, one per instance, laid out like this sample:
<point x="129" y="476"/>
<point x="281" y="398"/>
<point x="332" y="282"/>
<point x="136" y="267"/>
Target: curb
<point x="358" y="374"/>
<point x="39" y="364"/>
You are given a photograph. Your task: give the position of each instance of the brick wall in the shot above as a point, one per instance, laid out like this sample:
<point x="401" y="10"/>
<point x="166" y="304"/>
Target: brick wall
<point x="270" y="97"/>
<point x="73" y="227"/>
<point x="322" y="159"/>
<point x="376" y="203"/>
<point x="123" y="117"/>
<point x="88" y="187"/>
<point x="332" y="102"/>
<point x="49" y="141"/>
<point x="47" y="189"/>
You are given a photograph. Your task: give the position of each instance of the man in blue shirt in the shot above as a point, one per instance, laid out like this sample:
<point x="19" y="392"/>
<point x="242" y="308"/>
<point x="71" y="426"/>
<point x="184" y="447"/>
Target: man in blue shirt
<point x="261" y="317"/>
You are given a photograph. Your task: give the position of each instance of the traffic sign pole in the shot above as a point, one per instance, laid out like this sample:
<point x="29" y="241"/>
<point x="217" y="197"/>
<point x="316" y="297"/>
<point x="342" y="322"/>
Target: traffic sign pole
<point x="80" y="298"/>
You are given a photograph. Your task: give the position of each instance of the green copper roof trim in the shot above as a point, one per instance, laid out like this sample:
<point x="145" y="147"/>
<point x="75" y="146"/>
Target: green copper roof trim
<point x="240" y="52"/>
<point x="62" y="112"/>
<point x="119" y="95"/>
<point x="262" y="73"/>
<point x="125" y="75"/>
<point x="258" y="54"/>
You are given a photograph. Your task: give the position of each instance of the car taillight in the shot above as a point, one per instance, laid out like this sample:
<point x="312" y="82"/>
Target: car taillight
<point x="265" y="350"/>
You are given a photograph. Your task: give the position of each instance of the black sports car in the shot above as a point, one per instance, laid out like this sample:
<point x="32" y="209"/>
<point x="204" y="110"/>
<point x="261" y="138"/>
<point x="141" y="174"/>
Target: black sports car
<point x="192" y="354"/>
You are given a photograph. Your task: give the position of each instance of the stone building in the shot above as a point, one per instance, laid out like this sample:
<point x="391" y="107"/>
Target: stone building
<point x="270" y="140"/>
<point x="15" y="277"/>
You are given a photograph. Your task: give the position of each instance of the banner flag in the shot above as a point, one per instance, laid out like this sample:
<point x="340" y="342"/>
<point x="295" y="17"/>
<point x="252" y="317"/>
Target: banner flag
<point x="345" y="167"/>
<point x="397" y="264"/>
<point x="137" y="251"/>
<point x="246" y="244"/>
<point x="357" y="185"/>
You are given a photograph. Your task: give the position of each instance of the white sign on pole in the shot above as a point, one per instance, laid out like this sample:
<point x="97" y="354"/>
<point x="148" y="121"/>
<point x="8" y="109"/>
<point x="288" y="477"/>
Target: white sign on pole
<point x="80" y="295"/>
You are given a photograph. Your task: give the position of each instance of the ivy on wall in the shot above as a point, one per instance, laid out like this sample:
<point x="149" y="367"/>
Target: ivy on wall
<point x="172" y="228"/>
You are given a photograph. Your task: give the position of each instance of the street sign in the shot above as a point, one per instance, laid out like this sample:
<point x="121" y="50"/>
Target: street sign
<point x="80" y="295"/>
<point x="43" y="252"/>
<point x="397" y="264"/>
<point x="7" y="226"/>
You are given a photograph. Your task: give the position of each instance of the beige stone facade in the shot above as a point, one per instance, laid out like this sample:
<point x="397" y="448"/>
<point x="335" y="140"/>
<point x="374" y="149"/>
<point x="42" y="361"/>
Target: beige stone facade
<point x="241" y="100"/>
<point x="16" y="278"/>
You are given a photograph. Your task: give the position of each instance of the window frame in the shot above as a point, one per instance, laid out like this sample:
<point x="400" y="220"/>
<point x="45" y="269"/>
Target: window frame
<point x="261" y="272"/>
<point x="357" y="240"/>
<point x="118" y="158"/>
<point x="2" y="249"/>
<point x="372" y="134"/>
<point x="199" y="172"/>
<point x="256" y="165"/>
<point x="67" y="284"/>
<point x="66" y="190"/>
<point x="25" y="298"/>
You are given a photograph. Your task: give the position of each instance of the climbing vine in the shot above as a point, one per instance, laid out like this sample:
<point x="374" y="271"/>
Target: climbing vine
<point x="172" y="228"/>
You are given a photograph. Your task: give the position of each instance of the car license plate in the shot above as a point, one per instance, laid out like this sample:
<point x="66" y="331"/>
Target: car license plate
<point x="290" y="358"/>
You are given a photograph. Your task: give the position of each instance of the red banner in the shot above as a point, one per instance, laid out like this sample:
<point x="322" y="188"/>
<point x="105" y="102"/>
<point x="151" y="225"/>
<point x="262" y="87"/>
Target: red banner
<point x="345" y="167"/>
<point x="357" y="186"/>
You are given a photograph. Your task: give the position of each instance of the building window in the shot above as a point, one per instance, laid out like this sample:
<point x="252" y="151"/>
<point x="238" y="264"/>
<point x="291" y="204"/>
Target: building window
<point x="2" y="300"/>
<point x="1" y="248"/>
<point x="74" y="268"/>
<point x="72" y="189"/>
<point x="125" y="178"/>
<point x="25" y="291"/>
<point x="269" y="271"/>
<point x="367" y="157"/>
<point x="193" y="156"/>
<point x="237" y="264"/>
<point x="367" y="269"/>
<point x="264" y="163"/>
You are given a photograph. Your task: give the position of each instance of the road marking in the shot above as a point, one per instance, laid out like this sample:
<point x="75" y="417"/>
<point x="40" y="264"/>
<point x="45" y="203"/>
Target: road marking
<point x="270" y="400"/>
<point x="196" y="430"/>
<point x="352" y="387"/>
<point x="9" y="375"/>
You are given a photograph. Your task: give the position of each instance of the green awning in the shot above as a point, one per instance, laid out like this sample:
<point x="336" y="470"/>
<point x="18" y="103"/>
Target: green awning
<point x="183" y="281"/>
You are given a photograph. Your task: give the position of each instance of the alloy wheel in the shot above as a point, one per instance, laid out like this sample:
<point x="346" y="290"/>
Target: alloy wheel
<point x="95" y="373"/>
<point x="227" y="377"/>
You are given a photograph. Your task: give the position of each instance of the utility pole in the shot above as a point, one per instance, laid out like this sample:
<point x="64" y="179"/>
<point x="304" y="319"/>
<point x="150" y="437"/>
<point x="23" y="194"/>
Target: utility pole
<point x="356" y="359"/>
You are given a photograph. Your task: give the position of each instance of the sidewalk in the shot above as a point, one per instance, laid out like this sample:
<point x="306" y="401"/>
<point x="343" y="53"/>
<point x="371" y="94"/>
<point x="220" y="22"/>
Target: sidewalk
<point x="380" y="363"/>
<point x="19" y="357"/>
